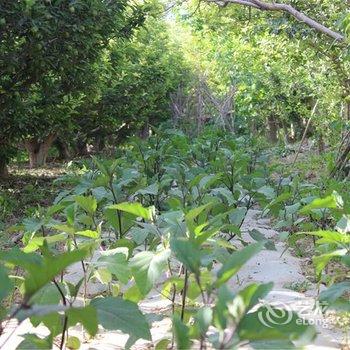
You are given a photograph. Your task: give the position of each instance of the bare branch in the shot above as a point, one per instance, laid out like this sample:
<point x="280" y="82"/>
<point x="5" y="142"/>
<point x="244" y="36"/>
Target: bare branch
<point x="265" y="6"/>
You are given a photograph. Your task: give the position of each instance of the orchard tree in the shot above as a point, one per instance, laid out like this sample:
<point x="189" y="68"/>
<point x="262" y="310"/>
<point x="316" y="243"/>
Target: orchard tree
<point x="152" y="68"/>
<point x="279" y="66"/>
<point x="47" y="48"/>
<point x="320" y="26"/>
<point x="137" y="78"/>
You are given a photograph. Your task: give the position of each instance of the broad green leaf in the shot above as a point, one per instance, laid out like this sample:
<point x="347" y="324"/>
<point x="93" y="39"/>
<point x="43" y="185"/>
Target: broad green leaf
<point x="203" y="236"/>
<point x="32" y="225"/>
<point x="163" y="344"/>
<point x="333" y="293"/>
<point x="118" y="314"/>
<point x="122" y="246"/>
<point x="193" y="290"/>
<point x="247" y="298"/>
<point x="15" y="256"/>
<point x="112" y="218"/>
<point x="168" y="285"/>
<point x="188" y="253"/>
<point x="333" y="201"/>
<point x="87" y="316"/>
<point x="268" y="323"/>
<point x="134" y="208"/>
<point x="181" y="333"/>
<point x="89" y="234"/>
<point x="51" y="316"/>
<point x="346" y="260"/>
<point x="51" y="267"/>
<point x="103" y="275"/>
<point x="139" y="234"/>
<point x="147" y="267"/>
<point x="133" y="294"/>
<point x="195" y="180"/>
<point x="48" y="295"/>
<point x="236" y="261"/>
<point x="42" y="270"/>
<point x="54" y="209"/>
<point x="65" y="228"/>
<point x="116" y="264"/>
<point x="267" y="191"/>
<point x="102" y="167"/>
<point x="151" y="190"/>
<point x="203" y="319"/>
<point x="220" y="317"/>
<point x="195" y="212"/>
<point x="238" y="215"/>
<point x="224" y="192"/>
<point x="208" y="180"/>
<point x="88" y="203"/>
<point x="37" y="242"/>
<point x="280" y="199"/>
<point x="330" y="237"/>
<point x="321" y="261"/>
<point x="33" y="342"/>
<point x="74" y="288"/>
<point x="40" y="311"/>
<point x="292" y="209"/>
<point x="6" y="284"/>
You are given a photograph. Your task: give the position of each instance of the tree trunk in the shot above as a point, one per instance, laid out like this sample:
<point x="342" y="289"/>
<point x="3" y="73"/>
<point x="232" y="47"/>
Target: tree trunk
<point x="144" y="131"/>
<point x="288" y="134"/>
<point x="253" y="128"/>
<point x="321" y="145"/>
<point x="62" y="148"/>
<point x="122" y="133"/>
<point x="38" y="150"/>
<point x="3" y="168"/>
<point x="346" y="99"/>
<point x="272" y="129"/>
<point x="100" y="143"/>
<point x="81" y="147"/>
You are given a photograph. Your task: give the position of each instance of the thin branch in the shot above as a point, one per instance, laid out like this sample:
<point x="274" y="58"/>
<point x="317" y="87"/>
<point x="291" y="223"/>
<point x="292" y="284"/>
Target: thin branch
<point x="305" y="132"/>
<point x="264" y="6"/>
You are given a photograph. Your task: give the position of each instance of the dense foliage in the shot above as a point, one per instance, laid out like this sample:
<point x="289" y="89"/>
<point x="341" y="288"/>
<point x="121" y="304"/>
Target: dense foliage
<point x="168" y="214"/>
<point x="280" y="68"/>
<point x="47" y="52"/>
<point x="195" y="116"/>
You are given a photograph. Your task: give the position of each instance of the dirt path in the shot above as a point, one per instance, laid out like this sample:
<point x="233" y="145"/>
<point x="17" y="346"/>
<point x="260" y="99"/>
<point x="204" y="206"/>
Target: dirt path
<point x="284" y="269"/>
<point x="267" y="266"/>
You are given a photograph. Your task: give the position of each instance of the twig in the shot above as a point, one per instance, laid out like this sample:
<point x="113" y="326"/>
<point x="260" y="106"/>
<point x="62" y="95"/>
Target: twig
<point x="305" y="132"/>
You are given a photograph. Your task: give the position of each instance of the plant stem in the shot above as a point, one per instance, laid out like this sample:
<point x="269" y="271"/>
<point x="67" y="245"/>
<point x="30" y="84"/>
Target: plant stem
<point x="119" y="224"/>
<point x="184" y="293"/>
<point x="118" y="211"/>
<point x="65" y="322"/>
<point x="84" y="271"/>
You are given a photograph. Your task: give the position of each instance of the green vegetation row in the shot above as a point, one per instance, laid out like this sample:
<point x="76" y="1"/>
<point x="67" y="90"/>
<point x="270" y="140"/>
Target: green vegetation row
<point x="78" y="73"/>
<point x="74" y="72"/>
<point x="165" y="216"/>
